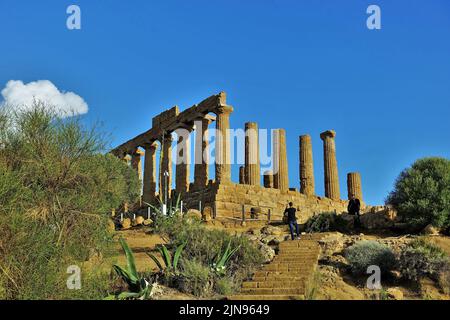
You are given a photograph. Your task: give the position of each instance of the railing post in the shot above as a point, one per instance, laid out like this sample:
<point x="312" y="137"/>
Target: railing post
<point x="268" y="216"/>
<point x="243" y="213"/>
<point x="200" y="206"/>
<point x="181" y="207"/>
<point x="149" y="212"/>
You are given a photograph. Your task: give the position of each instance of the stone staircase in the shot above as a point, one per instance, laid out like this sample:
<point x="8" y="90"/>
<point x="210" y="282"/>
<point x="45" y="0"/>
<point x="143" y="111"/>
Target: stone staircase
<point x="288" y="275"/>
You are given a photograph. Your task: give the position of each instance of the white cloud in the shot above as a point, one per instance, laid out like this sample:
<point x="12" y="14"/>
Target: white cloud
<point x="20" y="95"/>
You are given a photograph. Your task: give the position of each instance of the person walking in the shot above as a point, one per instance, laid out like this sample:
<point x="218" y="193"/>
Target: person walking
<point x="292" y="220"/>
<point x="353" y="208"/>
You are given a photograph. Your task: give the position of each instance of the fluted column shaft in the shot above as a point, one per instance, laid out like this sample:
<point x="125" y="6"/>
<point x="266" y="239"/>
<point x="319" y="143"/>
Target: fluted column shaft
<point x="149" y="189"/>
<point x="252" y="165"/>
<point x="280" y="173"/>
<point x="183" y="162"/>
<point x="201" y="169"/>
<point x="354" y="185"/>
<point x="331" y="177"/>
<point x="136" y="162"/>
<point x="166" y="164"/>
<point x="306" y="166"/>
<point x="223" y="162"/>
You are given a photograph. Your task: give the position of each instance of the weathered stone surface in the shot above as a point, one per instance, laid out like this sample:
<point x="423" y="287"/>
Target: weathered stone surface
<point x="268" y="179"/>
<point x="201" y="173"/>
<point x="272" y="230"/>
<point x="267" y="252"/>
<point x="394" y="293"/>
<point x="306" y="165"/>
<point x="147" y="222"/>
<point x="242" y="175"/>
<point x="430" y="230"/>
<point x="126" y="223"/>
<point x="331" y="176"/>
<point x="376" y="220"/>
<point x="166" y="164"/>
<point x="223" y="162"/>
<point x="280" y="164"/>
<point x="208" y="213"/>
<point x="149" y="182"/>
<point x="111" y="227"/>
<point x="354" y="185"/>
<point x="138" y="221"/>
<point x="183" y="161"/>
<point x="252" y="166"/>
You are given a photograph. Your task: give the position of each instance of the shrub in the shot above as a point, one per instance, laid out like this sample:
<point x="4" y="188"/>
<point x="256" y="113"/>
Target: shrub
<point x="224" y="286"/>
<point x="421" y="258"/>
<point x="421" y="193"/>
<point x="196" y="278"/>
<point x="366" y="253"/>
<point x="326" y="221"/>
<point x="55" y="188"/>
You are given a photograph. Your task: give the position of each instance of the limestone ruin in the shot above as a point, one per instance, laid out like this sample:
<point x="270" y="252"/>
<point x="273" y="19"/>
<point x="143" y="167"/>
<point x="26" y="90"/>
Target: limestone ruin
<point x="222" y="197"/>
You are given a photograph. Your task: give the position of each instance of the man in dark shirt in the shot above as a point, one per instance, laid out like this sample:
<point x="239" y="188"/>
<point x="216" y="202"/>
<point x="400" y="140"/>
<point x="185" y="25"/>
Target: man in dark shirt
<point x="292" y="220"/>
<point x="353" y="208"/>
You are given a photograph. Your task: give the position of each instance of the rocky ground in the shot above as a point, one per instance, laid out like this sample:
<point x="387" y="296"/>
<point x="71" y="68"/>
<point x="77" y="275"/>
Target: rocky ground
<point x="332" y="279"/>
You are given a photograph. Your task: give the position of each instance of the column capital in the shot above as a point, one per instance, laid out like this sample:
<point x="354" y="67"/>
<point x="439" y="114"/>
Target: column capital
<point x="328" y="133"/>
<point x="224" y="109"/>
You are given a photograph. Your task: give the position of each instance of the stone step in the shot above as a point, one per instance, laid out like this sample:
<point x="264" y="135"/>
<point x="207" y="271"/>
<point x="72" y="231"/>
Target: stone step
<point x="274" y="291"/>
<point x="281" y="278"/>
<point x="266" y="297"/>
<point x="299" y="269"/>
<point x="281" y="274"/>
<point x="299" y="284"/>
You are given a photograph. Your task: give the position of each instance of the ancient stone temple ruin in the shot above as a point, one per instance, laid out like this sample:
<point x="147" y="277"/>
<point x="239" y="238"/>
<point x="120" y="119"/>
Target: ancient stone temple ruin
<point x="221" y="198"/>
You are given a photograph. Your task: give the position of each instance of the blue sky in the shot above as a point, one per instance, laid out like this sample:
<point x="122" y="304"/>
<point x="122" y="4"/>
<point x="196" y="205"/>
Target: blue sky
<point x="306" y="66"/>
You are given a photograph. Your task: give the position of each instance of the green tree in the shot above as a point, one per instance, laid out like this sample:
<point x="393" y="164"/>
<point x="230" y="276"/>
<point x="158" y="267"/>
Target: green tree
<point x="421" y="193"/>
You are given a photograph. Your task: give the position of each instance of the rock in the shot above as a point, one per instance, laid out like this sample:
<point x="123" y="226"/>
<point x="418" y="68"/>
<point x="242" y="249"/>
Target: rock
<point x="332" y="243"/>
<point x="111" y="227"/>
<point x="138" y="221"/>
<point x="267" y="239"/>
<point x="395" y="294"/>
<point x="429" y="230"/>
<point x="207" y="214"/>
<point x="254" y="231"/>
<point x="126" y="223"/>
<point x="252" y="237"/>
<point x="272" y="230"/>
<point x="267" y="252"/>
<point x="193" y="214"/>
<point x="378" y="220"/>
<point x="147" y="222"/>
<point x="277" y="240"/>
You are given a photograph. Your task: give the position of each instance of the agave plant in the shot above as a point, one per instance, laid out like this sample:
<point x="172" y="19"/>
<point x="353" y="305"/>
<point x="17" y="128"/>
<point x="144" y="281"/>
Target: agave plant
<point x="139" y="287"/>
<point x="221" y="260"/>
<point x="171" y="263"/>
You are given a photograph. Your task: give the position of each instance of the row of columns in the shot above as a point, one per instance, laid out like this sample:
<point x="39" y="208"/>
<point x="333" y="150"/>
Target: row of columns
<point x="250" y="172"/>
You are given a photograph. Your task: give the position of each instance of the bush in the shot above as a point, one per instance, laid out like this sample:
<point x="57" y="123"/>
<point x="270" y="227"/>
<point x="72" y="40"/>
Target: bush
<point x="196" y="278"/>
<point x="421" y="193"/>
<point x="421" y="258"/>
<point x="366" y="253"/>
<point x="202" y="246"/>
<point x="326" y="221"/>
<point x="55" y="188"/>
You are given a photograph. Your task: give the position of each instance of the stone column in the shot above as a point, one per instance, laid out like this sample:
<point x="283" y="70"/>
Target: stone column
<point x="306" y="166"/>
<point x="330" y="165"/>
<point x="223" y="162"/>
<point x="268" y="179"/>
<point x="252" y="166"/>
<point x="183" y="162"/>
<point x="201" y="169"/>
<point x="149" y="189"/>
<point x="354" y="185"/>
<point x="166" y="165"/>
<point x="280" y="165"/>
<point x="136" y="162"/>
<point x="242" y="175"/>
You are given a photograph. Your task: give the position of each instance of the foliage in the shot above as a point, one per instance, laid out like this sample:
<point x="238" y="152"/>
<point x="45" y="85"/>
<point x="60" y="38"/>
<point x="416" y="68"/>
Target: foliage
<point x="220" y="262"/>
<point x="366" y="253"/>
<point x="206" y="246"/>
<point x="196" y="278"/>
<point x="421" y="193"/>
<point x="421" y="258"/>
<point x="324" y="222"/>
<point x="52" y="204"/>
<point x="138" y="287"/>
<point x="171" y="264"/>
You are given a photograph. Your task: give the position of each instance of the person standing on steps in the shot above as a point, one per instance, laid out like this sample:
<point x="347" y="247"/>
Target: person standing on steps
<point x="353" y="208"/>
<point x="289" y="213"/>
